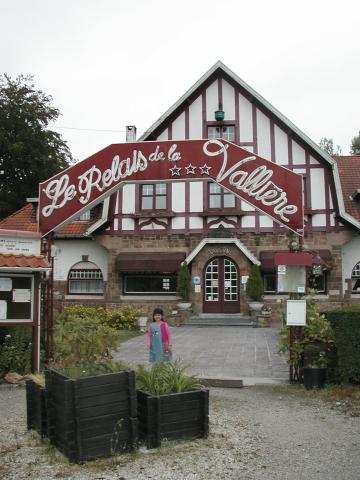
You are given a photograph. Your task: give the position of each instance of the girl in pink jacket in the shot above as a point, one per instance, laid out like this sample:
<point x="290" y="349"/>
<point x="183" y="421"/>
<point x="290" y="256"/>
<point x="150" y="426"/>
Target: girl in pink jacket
<point x="159" y="339"/>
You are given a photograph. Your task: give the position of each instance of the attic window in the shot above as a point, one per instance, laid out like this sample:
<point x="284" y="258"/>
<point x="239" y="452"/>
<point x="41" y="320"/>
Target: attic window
<point x="227" y="132"/>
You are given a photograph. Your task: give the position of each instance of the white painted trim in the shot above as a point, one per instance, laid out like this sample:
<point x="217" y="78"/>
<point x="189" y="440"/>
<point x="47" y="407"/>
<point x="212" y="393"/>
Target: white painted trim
<point x="212" y="241"/>
<point x="102" y="220"/>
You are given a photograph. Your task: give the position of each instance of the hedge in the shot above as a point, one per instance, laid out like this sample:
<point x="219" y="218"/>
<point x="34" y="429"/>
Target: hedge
<point x="346" y="325"/>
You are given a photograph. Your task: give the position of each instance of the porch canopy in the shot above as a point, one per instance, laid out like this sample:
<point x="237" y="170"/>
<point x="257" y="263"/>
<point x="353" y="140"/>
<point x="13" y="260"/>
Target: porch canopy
<point x="269" y="260"/>
<point x="149" y="261"/>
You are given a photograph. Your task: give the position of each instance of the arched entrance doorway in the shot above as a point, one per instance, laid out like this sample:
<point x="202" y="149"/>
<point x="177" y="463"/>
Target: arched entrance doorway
<point x="221" y="286"/>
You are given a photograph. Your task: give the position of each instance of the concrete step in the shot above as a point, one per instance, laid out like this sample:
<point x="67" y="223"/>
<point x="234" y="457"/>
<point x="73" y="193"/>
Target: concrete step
<point x="220" y="320"/>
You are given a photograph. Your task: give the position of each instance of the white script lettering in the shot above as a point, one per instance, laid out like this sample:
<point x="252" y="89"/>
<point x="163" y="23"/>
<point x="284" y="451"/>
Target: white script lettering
<point x="256" y="184"/>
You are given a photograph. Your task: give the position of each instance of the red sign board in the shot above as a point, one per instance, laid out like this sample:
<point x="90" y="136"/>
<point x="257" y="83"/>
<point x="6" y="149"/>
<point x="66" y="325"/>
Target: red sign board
<point x="270" y="188"/>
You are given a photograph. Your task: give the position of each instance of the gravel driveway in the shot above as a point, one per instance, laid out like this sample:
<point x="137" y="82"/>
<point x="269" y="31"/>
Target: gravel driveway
<point x="259" y="432"/>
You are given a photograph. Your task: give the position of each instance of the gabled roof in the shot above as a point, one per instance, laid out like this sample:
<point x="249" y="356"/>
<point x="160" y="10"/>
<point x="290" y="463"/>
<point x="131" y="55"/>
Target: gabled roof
<point x="217" y="68"/>
<point x="349" y="173"/>
<point x="220" y="69"/>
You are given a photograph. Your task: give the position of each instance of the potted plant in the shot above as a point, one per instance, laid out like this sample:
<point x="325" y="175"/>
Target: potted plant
<point x="315" y="364"/>
<point x="255" y="289"/>
<point x="311" y="349"/>
<point x="90" y="400"/>
<point x="183" y="288"/>
<point x="171" y="404"/>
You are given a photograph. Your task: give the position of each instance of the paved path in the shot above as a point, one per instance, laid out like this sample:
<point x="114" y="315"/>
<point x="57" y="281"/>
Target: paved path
<point x="245" y="353"/>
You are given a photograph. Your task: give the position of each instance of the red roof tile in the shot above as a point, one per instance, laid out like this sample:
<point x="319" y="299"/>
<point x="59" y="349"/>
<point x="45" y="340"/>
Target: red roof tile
<point x="23" y="219"/>
<point x="349" y="173"/>
<point x="23" y="261"/>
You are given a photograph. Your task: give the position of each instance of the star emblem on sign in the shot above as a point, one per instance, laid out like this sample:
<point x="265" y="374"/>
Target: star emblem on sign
<point x="190" y="169"/>
<point x="205" y="169"/>
<point x="175" y="171"/>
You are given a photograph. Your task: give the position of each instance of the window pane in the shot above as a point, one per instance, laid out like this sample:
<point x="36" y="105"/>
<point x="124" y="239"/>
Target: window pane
<point x="269" y="282"/>
<point x="215" y="201"/>
<point x="160" y="203"/>
<point x="147" y="189"/>
<point x="214" y="188"/>
<point x="161" y="188"/>
<point x="149" y="283"/>
<point x="146" y="203"/>
<point x="229" y="200"/>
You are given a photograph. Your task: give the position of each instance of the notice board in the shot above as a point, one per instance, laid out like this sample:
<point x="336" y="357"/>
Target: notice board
<point x="16" y="297"/>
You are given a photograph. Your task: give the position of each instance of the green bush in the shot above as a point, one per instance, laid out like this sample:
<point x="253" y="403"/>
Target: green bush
<point x="165" y="378"/>
<point x="82" y="339"/>
<point x="254" y="285"/>
<point x="346" y="325"/>
<point x="125" y="318"/>
<point x="16" y="351"/>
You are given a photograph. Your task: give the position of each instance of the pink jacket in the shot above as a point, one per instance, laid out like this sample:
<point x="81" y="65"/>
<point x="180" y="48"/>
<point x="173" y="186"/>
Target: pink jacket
<point x="166" y="337"/>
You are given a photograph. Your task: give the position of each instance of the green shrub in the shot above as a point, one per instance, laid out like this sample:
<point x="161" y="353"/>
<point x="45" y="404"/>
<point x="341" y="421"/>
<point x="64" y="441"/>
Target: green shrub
<point x="183" y="287"/>
<point x="254" y="285"/>
<point x="82" y="339"/>
<point x="16" y="351"/>
<point x="165" y="378"/>
<point x="125" y="318"/>
<point x="346" y="325"/>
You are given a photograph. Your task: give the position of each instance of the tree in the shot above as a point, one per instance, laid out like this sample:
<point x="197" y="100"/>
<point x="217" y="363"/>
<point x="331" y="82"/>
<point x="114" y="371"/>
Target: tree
<point x="255" y="286"/>
<point x="29" y="151"/>
<point x="327" y="145"/>
<point x="355" y="145"/>
<point x="184" y="282"/>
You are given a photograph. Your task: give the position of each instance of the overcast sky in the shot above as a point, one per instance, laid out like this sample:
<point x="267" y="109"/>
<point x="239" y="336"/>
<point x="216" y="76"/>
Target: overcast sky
<point x="112" y="63"/>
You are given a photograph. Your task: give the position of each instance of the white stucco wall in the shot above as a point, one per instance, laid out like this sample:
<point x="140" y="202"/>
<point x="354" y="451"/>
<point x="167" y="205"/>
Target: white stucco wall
<point x="350" y="257"/>
<point x="69" y="252"/>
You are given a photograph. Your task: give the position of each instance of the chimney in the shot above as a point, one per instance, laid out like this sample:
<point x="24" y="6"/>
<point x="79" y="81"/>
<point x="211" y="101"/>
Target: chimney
<point x="130" y="133"/>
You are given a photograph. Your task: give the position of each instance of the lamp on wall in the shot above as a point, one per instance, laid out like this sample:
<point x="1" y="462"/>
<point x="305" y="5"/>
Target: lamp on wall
<point x="219" y="115"/>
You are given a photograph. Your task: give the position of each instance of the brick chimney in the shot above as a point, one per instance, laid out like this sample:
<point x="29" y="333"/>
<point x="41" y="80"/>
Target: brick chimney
<point x="130" y="133"/>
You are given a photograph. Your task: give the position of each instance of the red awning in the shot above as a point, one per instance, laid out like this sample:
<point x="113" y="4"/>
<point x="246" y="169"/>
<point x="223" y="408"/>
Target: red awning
<point x="149" y="261"/>
<point x="320" y="257"/>
<point x="293" y="259"/>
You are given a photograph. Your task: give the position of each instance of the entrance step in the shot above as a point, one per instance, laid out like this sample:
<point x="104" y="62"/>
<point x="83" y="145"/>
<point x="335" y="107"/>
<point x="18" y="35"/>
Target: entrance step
<point x="220" y="320"/>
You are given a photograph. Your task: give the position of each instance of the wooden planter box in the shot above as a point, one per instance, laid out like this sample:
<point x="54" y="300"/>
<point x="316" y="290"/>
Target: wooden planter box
<point x="91" y="417"/>
<point x="36" y="408"/>
<point x="174" y="416"/>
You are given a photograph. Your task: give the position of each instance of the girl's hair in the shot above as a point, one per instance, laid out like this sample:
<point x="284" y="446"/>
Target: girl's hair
<point x="158" y="311"/>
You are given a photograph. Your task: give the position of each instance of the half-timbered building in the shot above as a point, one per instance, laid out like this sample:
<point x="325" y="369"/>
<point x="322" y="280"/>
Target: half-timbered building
<point x="129" y="247"/>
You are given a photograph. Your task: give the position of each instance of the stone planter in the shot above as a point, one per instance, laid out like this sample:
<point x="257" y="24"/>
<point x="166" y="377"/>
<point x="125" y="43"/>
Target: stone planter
<point x="91" y="417"/>
<point x="174" y="416"/>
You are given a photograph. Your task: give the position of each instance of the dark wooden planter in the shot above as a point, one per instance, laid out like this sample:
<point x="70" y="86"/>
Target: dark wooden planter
<point x="91" y="417"/>
<point x="36" y="408"/>
<point x="314" y="378"/>
<point x="174" y="416"/>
